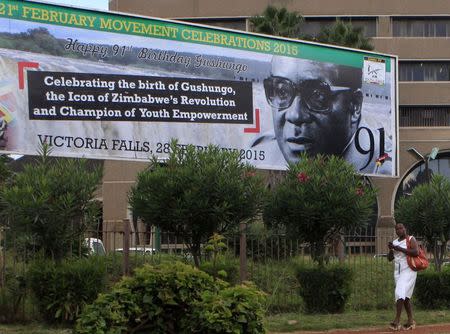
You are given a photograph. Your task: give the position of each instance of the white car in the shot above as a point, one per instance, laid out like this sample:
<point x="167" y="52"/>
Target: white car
<point x="139" y="250"/>
<point x="95" y="246"/>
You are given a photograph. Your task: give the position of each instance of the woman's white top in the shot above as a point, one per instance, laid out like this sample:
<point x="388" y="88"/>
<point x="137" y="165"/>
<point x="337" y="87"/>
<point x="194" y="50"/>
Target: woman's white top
<point x="405" y="277"/>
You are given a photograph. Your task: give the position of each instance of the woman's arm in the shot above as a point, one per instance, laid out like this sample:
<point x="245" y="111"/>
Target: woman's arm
<point x="413" y="251"/>
<point x="390" y="256"/>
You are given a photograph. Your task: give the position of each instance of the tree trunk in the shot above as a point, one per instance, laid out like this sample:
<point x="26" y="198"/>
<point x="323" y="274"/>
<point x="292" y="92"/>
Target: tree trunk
<point x="195" y="250"/>
<point x="318" y="252"/>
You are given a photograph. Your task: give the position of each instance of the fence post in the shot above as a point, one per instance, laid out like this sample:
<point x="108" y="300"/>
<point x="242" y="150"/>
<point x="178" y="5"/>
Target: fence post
<point x="243" y="252"/>
<point x="126" y="247"/>
<point x="2" y="257"/>
<point x="341" y="248"/>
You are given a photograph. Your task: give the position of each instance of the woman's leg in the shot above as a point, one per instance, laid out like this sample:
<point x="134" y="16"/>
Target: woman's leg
<point x="399" y="308"/>
<point x="408" y="308"/>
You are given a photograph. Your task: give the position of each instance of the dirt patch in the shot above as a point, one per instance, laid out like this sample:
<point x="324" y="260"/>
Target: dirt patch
<point x="425" y="329"/>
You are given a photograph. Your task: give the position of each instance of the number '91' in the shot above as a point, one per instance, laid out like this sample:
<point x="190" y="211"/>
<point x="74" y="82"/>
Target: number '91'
<point x="365" y="135"/>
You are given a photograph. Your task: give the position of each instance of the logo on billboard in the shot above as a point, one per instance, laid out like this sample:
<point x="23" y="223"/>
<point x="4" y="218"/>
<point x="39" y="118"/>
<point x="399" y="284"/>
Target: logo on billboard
<point x="374" y="71"/>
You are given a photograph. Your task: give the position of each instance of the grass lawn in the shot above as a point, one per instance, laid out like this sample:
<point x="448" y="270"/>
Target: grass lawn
<point x="32" y="329"/>
<point x="290" y="322"/>
<point x="281" y="322"/>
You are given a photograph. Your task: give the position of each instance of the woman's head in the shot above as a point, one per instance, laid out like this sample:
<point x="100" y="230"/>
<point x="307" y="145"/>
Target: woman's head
<point x="400" y="230"/>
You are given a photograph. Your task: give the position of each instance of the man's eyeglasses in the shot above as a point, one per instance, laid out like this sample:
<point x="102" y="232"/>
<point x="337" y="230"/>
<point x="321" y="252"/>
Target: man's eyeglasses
<point x="316" y="94"/>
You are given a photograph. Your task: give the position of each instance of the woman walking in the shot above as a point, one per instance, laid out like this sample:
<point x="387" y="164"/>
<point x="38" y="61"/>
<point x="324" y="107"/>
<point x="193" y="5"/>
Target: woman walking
<point x="405" y="277"/>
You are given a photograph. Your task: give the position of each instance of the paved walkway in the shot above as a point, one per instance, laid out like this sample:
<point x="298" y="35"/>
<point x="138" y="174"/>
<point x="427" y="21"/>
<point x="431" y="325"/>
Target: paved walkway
<point x="425" y="329"/>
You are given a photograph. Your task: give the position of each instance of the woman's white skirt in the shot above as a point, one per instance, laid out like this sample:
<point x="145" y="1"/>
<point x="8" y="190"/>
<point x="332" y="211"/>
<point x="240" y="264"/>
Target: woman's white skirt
<point x="405" y="280"/>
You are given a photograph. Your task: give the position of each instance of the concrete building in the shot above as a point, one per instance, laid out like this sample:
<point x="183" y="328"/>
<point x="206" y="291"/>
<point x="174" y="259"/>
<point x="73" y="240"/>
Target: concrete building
<point x="417" y="31"/>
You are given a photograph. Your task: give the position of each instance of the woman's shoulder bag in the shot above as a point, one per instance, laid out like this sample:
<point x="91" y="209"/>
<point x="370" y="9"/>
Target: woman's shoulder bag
<point x="419" y="262"/>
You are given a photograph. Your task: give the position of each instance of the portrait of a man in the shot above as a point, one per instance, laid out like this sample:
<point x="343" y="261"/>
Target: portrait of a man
<point x="316" y="109"/>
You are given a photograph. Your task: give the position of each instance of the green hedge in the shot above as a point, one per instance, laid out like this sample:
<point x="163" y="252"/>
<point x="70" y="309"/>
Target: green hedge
<point x="237" y="309"/>
<point x="173" y="298"/>
<point x="62" y="290"/>
<point x="433" y="289"/>
<point x="324" y="289"/>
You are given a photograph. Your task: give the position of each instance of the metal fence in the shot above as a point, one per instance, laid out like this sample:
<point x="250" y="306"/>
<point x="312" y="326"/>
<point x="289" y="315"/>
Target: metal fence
<point x="270" y="260"/>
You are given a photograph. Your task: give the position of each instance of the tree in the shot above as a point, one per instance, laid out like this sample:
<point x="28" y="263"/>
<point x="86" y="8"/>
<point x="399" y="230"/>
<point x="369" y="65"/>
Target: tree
<point x="345" y="34"/>
<point x="319" y="198"/>
<point x="278" y="22"/>
<point x="426" y="212"/>
<point x="51" y="202"/>
<point x="281" y="22"/>
<point x="197" y="193"/>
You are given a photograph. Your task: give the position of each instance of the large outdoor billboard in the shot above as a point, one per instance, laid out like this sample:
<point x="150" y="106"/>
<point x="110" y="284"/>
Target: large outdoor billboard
<point x="109" y="86"/>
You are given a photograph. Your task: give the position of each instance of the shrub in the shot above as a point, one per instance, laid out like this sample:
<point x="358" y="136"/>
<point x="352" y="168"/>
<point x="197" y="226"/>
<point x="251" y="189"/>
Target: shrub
<point x="319" y="199"/>
<point x="12" y="295"/>
<point x="237" y="309"/>
<point x="226" y="267"/>
<point x="197" y="193"/>
<point x="50" y="203"/>
<point x="426" y="213"/>
<point x="156" y="299"/>
<point x="171" y="298"/>
<point x="114" y="263"/>
<point x="324" y="289"/>
<point x="61" y="290"/>
<point x="433" y="289"/>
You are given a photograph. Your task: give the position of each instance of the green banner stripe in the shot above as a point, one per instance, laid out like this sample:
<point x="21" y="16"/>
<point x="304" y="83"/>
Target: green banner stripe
<point x="93" y="20"/>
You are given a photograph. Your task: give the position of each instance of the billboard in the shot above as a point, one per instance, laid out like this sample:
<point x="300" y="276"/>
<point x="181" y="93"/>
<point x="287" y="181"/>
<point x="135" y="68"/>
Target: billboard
<point x="109" y="86"/>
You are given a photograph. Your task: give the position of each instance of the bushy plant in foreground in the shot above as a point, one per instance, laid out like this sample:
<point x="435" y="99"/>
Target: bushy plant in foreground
<point x="173" y="298"/>
<point x="237" y="309"/>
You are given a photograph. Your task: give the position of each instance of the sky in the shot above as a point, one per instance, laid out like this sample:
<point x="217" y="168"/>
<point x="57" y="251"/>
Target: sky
<point x="92" y="4"/>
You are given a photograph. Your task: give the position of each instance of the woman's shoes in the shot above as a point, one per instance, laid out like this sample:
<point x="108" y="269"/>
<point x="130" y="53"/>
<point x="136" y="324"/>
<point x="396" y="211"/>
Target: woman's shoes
<point x="394" y="326"/>
<point x="409" y="326"/>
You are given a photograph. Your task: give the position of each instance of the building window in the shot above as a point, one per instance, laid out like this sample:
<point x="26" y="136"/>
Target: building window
<point x="423" y="116"/>
<point x="424" y="71"/>
<point x="313" y="25"/>
<point x="421" y="27"/>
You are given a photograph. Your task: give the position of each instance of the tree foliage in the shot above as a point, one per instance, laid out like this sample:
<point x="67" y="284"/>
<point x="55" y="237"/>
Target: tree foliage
<point x="426" y="213"/>
<point x="197" y="193"/>
<point x="319" y="199"/>
<point x="281" y="22"/>
<point x="50" y="203"/>
<point x="345" y="34"/>
<point x="278" y="22"/>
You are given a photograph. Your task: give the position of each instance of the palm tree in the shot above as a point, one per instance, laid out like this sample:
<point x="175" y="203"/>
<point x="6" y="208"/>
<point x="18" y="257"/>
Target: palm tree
<point x="345" y="34"/>
<point x="278" y="22"/>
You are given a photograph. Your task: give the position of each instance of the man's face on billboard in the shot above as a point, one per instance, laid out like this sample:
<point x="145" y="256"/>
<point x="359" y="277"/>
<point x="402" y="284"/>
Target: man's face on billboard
<point x="310" y="114"/>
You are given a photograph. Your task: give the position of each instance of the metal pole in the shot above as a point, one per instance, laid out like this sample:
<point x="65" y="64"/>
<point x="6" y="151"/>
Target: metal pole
<point x="126" y="247"/>
<point x="2" y="257"/>
<point x="243" y="252"/>
<point x="427" y="171"/>
<point x="158" y="239"/>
